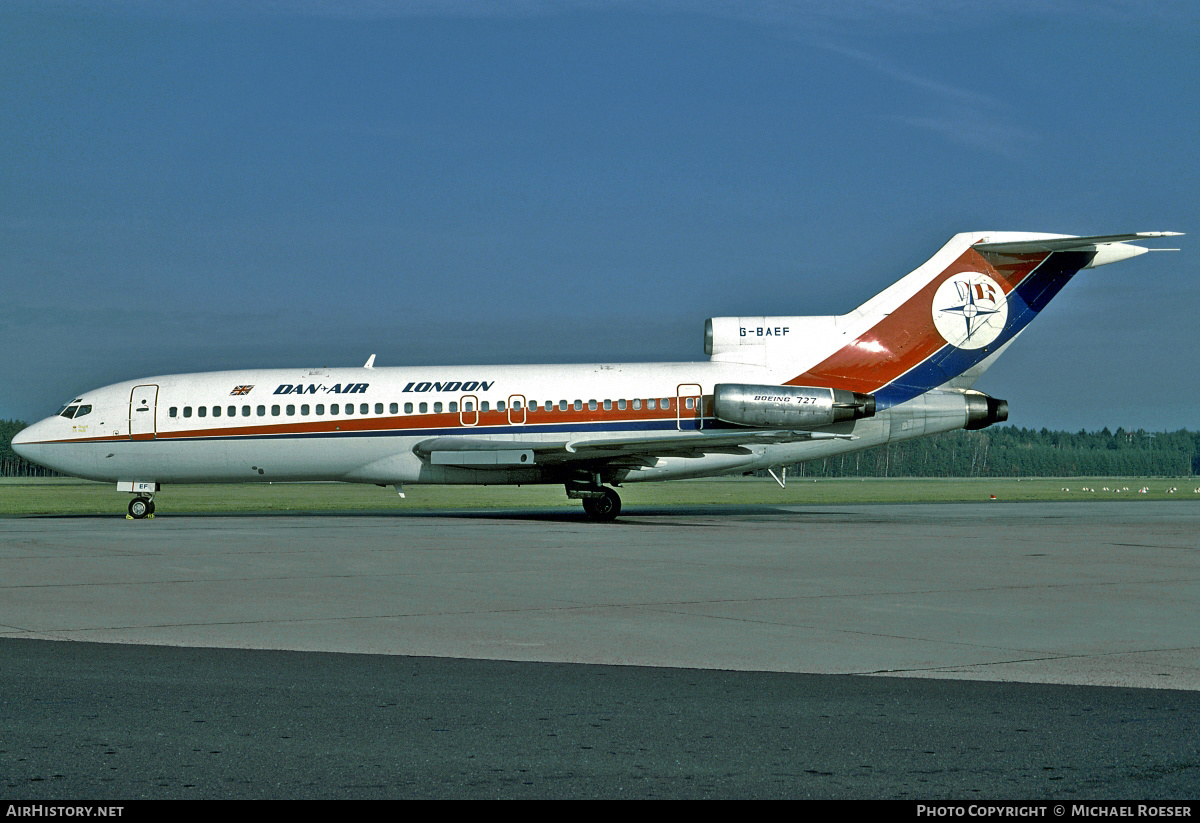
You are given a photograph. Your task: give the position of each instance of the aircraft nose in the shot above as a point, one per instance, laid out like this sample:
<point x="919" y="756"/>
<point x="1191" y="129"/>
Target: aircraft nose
<point x="22" y="439"/>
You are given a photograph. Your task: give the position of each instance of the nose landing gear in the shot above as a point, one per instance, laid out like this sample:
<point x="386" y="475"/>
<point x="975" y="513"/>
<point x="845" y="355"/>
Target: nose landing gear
<point x="142" y="504"/>
<point x="141" y="508"/>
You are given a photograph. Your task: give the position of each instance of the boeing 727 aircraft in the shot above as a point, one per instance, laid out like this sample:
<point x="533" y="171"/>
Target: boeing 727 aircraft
<point x="775" y="391"/>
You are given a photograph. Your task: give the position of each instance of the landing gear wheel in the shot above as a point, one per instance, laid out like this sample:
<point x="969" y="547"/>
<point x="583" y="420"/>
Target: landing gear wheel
<point x="604" y="508"/>
<point x="139" y="507"/>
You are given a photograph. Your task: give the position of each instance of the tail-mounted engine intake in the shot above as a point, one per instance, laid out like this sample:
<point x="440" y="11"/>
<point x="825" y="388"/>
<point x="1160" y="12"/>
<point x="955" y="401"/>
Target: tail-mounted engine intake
<point x="786" y="406"/>
<point x="983" y="411"/>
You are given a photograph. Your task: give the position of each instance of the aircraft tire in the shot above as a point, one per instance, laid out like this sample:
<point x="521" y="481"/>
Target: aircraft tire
<point x="604" y="508"/>
<point x="140" y="507"/>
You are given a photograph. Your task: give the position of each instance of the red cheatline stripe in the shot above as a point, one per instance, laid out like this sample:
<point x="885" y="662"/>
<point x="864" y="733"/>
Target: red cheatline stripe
<point x="906" y="337"/>
<point x="414" y="422"/>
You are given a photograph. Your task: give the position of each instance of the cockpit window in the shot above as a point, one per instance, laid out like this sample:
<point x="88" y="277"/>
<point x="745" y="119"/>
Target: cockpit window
<point x="82" y="411"/>
<point x="68" y="409"/>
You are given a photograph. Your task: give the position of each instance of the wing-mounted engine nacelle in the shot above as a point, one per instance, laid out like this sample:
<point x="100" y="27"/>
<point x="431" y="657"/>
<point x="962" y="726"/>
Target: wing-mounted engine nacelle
<point x="983" y="411"/>
<point x="788" y="406"/>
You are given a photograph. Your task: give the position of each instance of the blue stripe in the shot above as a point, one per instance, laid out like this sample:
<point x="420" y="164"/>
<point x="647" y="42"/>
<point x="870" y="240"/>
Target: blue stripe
<point x="1024" y="303"/>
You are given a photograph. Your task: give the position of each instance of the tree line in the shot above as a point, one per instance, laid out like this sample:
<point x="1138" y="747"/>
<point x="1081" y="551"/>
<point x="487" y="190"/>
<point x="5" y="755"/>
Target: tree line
<point x="1009" y="451"/>
<point x="999" y="451"/>
<point x="11" y="463"/>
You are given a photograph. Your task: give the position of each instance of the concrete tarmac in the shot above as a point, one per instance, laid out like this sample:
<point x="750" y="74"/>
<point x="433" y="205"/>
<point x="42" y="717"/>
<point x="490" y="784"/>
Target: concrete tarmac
<point x="1086" y="593"/>
<point x="1083" y="594"/>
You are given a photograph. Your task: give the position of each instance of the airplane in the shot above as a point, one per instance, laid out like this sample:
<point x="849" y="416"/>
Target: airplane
<point x="775" y="391"/>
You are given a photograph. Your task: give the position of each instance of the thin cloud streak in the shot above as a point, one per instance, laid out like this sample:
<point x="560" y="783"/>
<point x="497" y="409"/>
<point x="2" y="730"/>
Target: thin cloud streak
<point x="970" y="128"/>
<point x="969" y="119"/>
<point x="934" y="87"/>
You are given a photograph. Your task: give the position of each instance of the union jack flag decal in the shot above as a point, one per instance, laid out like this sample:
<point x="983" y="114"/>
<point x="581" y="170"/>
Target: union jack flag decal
<point x="240" y="390"/>
<point x="981" y="291"/>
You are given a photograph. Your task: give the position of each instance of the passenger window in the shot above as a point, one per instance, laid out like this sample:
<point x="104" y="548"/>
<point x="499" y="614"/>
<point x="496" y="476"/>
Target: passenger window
<point x="424" y="407"/>
<point x="304" y="410"/>
<point x="173" y="411"/>
<point x="517" y="404"/>
<point x="637" y="403"/>
<point x="499" y="405"/>
<point x="408" y="408"/>
<point x="578" y="405"/>
<point x="274" y="411"/>
<point x="608" y="405"/>
<point x="379" y="408"/>
<point x="333" y="408"/>
<point x="562" y="405"/>
<point x="261" y="411"/>
<point x="468" y="405"/>
<point x="483" y="406"/>
<point x="394" y="408"/>
<point x="320" y="409"/>
<point x="592" y="405"/>
<point x="231" y="411"/>
<point x="651" y="403"/>
<point x="349" y="408"/>
<point x="691" y="403"/>
<point x="291" y="411"/>
<point x="666" y="402"/>
<point x="437" y="408"/>
<point x="245" y="411"/>
<point x="364" y="409"/>
<point x="187" y="411"/>
<point x="216" y="411"/>
<point x="454" y="405"/>
<point x="621" y="405"/>
<point x="201" y="411"/>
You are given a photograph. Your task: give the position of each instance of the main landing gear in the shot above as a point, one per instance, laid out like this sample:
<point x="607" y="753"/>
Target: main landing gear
<point x="603" y="508"/>
<point x="599" y="502"/>
<point x="141" y="508"/>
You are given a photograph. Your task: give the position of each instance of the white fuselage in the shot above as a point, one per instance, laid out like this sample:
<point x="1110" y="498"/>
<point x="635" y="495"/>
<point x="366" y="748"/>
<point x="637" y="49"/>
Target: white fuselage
<point x="361" y="425"/>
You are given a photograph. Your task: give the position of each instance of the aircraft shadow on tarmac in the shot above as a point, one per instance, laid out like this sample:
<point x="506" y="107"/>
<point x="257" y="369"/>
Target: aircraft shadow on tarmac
<point x="564" y="515"/>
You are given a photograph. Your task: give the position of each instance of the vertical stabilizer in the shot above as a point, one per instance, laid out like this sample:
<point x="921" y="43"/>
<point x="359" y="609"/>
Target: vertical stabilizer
<point x="945" y="322"/>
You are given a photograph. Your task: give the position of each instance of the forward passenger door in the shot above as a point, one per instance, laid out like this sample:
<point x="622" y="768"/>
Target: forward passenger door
<point x="143" y="409"/>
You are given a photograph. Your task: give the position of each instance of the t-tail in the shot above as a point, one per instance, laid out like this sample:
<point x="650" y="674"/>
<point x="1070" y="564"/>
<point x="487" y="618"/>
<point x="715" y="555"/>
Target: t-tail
<point x="939" y="327"/>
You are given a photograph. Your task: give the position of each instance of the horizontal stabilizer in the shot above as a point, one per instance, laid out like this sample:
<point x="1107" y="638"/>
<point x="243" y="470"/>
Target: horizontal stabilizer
<point x="1066" y="243"/>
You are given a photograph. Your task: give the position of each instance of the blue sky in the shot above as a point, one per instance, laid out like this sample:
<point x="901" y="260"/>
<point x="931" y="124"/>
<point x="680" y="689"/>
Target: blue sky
<point x="207" y="185"/>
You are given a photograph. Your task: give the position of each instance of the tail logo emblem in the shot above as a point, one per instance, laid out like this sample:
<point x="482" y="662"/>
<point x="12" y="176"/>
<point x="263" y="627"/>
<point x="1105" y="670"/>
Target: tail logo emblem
<point x="969" y="310"/>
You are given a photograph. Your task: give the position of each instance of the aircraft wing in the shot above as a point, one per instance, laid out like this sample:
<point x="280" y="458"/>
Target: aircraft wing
<point x="485" y="451"/>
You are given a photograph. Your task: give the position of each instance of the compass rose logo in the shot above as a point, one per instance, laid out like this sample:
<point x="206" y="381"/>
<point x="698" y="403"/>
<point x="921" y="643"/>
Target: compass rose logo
<point x="969" y="310"/>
